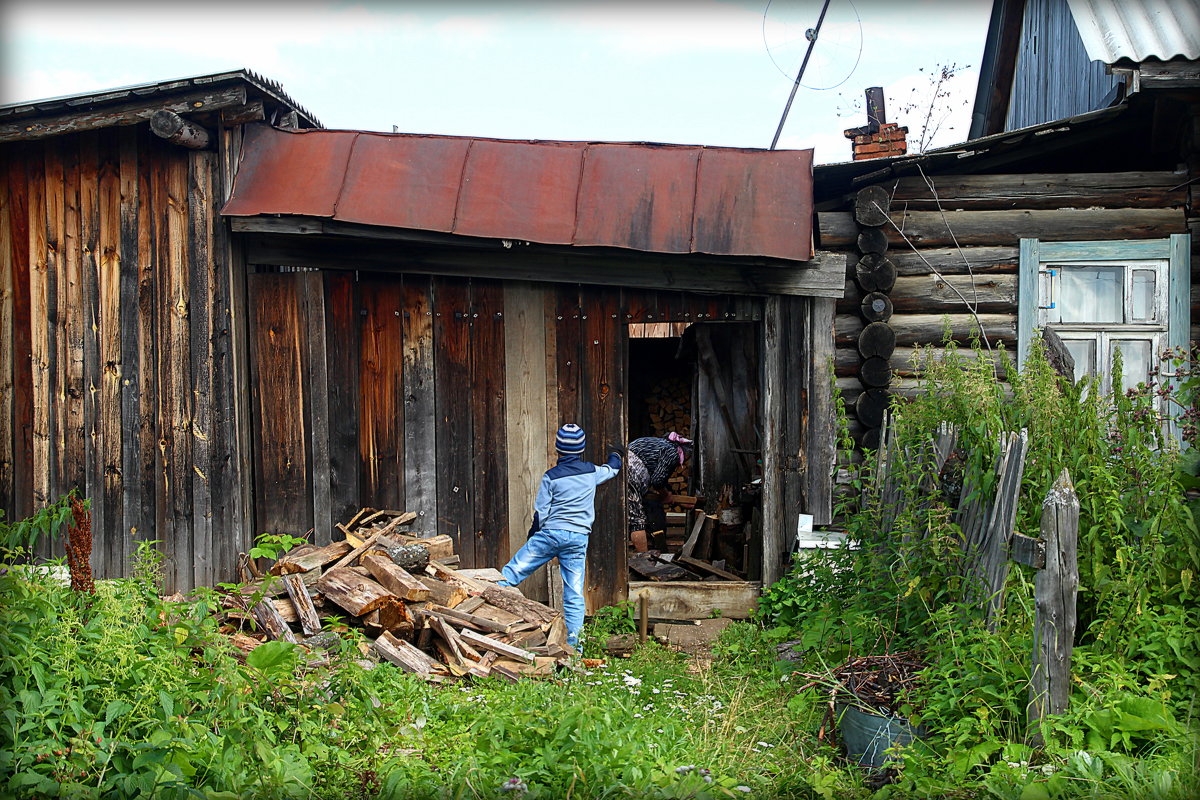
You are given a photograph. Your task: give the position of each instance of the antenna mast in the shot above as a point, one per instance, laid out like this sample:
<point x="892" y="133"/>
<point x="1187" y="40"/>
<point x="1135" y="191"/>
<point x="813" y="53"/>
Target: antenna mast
<point x="811" y="34"/>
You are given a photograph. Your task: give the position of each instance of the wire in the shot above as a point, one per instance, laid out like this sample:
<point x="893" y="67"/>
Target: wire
<point x="784" y="73"/>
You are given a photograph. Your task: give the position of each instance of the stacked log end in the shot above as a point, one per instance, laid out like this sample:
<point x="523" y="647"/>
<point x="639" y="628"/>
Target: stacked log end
<point x="669" y="406"/>
<point x="875" y="275"/>
<point x="401" y="594"/>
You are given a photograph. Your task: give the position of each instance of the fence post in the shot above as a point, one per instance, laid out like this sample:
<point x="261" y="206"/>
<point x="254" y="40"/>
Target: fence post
<point x="1054" y="597"/>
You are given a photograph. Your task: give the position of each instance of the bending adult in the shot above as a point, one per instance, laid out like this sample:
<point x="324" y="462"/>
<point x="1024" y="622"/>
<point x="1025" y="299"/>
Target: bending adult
<point x="650" y="464"/>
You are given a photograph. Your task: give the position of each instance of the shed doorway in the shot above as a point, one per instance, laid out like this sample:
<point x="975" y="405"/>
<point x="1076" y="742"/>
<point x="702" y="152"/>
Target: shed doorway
<point x="701" y="380"/>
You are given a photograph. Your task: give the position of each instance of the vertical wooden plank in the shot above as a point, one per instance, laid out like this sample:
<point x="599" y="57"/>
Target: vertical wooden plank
<point x="568" y="349"/>
<point x="488" y="418"/>
<point x="455" y="462"/>
<point x="73" y="312"/>
<point x="420" y="426"/>
<point x="797" y="329"/>
<point x="92" y="376"/>
<point x="281" y="477"/>
<point x="200" y="368"/>
<point x="40" y="292"/>
<point x="819" y="434"/>
<point x="526" y="425"/>
<point x="175" y="387"/>
<point x="318" y="395"/>
<point x="773" y="405"/>
<point x="380" y="401"/>
<point x="53" y="222"/>
<point x="1027" y="296"/>
<point x="138" y="277"/>
<point x="1055" y="589"/>
<point x="341" y="327"/>
<point x="110" y="374"/>
<point x="7" y="306"/>
<point x="552" y="325"/>
<point x="602" y="395"/>
<point x="18" y="248"/>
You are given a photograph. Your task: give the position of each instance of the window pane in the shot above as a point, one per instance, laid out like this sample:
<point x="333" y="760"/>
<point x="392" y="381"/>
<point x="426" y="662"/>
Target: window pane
<point x="1089" y="294"/>
<point x="1143" y="296"/>
<point x="1135" y="354"/>
<point x="1084" y="353"/>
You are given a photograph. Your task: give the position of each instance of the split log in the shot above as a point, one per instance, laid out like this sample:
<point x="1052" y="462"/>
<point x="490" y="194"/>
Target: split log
<point x="350" y="557"/>
<point x="489" y="574"/>
<point x="244" y="643"/>
<point x="496" y="646"/>
<point x="394" y="617"/>
<point x="490" y="612"/>
<point x="310" y="623"/>
<point x="405" y="656"/>
<point x="443" y="593"/>
<point x="354" y="593"/>
<point x="269" y="619"/>
<point x="440" y="547"/>
<point x="286" y="609"/>
<point x="465" y="619"/>
<point x="444" y="573"/>
<point x="395" y="579"/>
<point x="324" y="640"/>
<point x="412" y="557"/>
<point x="877" y="339"/>
<point x="875" y="273"/>
<point x="450" y="637"/>
<point x="311" y="559"/>
<point x="711" y="569"/>
<point x="511" y="600"/>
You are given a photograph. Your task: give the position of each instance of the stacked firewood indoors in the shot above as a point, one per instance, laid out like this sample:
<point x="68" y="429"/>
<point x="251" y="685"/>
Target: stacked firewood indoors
<point x="669" y="407"/>
<point x="412" y="608"/>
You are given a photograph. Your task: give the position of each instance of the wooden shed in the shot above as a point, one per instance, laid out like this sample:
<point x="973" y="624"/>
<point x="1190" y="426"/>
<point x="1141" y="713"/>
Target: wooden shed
<point x="269" y="332"/>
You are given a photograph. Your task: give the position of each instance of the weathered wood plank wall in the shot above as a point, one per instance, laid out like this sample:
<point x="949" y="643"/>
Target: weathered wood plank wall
<point x="117" y="374"/>
<point x="444" y="395"/>
<point x="986" y="215"/>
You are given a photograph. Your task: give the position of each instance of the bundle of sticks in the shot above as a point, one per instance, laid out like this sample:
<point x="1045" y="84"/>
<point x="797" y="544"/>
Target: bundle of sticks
<point x="412" y="607"/>
<point x="877" y="683"/>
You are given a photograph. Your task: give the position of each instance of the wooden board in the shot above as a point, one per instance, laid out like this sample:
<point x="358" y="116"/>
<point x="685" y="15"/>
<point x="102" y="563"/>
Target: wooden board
<point x="698" y="599"/>
<point x="342" y="328"/>
<point x="455" y="454"/>
<point x="490" y="476"/>
<point x="380" y="398"/>
<point x="420" y="429"/>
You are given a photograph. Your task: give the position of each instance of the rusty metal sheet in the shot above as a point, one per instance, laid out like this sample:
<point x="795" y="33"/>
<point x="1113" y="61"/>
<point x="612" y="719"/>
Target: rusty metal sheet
<point x="754" y="203"/>
<point x="656" y="198"/>
<point x="289" y="173"/>
<point x="403" y="181"/>
<point x="640" y="197"/>
<point x="520" y="190"/>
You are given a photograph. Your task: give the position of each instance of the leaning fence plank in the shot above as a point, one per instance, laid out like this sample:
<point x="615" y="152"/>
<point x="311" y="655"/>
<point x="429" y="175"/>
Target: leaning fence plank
<point x="1054" y="596"/>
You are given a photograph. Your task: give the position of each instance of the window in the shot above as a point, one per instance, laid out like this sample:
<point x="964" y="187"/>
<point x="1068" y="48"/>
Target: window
<point x="1101" y="296"/>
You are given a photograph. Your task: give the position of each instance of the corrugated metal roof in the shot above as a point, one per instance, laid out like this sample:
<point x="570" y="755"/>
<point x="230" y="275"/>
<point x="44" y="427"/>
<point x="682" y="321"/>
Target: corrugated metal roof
<point x="639" y="196"/>
<point x="1137" y="30"/>
<point x="143" y="91"/>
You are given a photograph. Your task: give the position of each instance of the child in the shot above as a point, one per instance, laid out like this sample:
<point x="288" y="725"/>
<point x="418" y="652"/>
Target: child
<point x="562" y="519"/>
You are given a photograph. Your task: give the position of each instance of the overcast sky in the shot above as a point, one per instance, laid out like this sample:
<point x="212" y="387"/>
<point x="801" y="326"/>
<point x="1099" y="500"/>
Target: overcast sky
<point x="696" y="72"/>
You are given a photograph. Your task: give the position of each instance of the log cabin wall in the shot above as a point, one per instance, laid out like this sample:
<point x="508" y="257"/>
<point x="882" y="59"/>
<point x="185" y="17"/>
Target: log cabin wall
<point x="117" y="373"/>
<point x="441" y="395"/>
<point x="962" y="244"/>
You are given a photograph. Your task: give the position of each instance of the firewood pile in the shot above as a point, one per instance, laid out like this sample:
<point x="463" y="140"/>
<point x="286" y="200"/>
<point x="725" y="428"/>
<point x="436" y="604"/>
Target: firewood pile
<point x="690" y="562"/>
<point x="415" y="610"/>
<point x="670" y="409"/>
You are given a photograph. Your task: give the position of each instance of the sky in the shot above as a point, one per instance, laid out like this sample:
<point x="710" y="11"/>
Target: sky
<point x="697" y="72"/>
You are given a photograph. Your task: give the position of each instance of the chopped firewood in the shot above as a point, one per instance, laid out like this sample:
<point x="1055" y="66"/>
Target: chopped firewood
<point x="286" y="609"/>
<point x="489" y="611"/>
<point x="506" y="672"/>
<point x="412" y="556"/>
<point x="349" y="558"/>
<point x="443" y="593"/>
<point x="646" y="565"/>
<point x="458" y="668"/>
<point x="468" y="620"/>
<point x="511" y="600"/>
<point x="489" y="574"/>
<point x="470" y="604"/>
<point x="395" y="579"/>
<point x="244" y="643"/>
<point x="396" y="617"/>
<point x="711" y="569"/>
<point x="310" y="623"/>
<point x="497" y="646"/>
<point x="451" y="561"/>
<point x="702" y="522"/>
<point x="405" y="656"/>
<point x="444" y="573"/>
<point x="439" y="547"/>
<point x="687" y="501"/>
<point x="351" y="591"/>
<point x="268" y="617"/>
<point x="450" y="637"/>
<point x="530" y="639"/>
<point x="362" y="512"/>
<point x="556" y="639"/>
<point x="539" y="666"/>
<point x="311" y="559"/>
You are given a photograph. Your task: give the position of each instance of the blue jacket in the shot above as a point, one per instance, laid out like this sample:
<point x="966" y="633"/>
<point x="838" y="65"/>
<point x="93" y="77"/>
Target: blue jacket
<point x="566" y="500"/>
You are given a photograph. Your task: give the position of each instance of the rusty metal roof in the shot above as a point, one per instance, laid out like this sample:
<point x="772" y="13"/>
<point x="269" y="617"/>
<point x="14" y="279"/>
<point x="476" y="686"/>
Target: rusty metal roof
<point x="1136" y="30"/>
<point x="639" y="196"/>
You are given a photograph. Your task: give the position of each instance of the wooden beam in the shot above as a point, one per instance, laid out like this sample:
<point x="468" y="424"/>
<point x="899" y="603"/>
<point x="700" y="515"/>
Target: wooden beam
<point x="124" y="114"/>
<point x="698" y="599"/>
<point x="177" y="130"/>
<point x="822" y="276"/>
<point x="773" y="402"/>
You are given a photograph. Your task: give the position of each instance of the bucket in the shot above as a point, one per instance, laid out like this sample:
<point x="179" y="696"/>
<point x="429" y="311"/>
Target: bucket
<point x="867" y="736"/>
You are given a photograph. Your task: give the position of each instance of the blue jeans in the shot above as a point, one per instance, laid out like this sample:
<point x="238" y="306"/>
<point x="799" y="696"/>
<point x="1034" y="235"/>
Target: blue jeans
<point x="570" y="547"/>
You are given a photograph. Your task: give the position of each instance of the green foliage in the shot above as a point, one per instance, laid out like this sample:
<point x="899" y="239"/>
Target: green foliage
<point x="273" y="545"/>
<point x="1130" y="726"/>
<point x="18" y="539"/>
<point x="614" y="620"/>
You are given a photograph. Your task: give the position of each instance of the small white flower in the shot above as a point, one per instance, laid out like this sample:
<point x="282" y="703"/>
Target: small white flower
<point x="632" y="681"/>
<point x="745" y="789"/>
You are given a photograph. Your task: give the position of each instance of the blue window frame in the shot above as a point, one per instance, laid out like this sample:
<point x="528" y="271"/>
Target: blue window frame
<point x="1098" y="296"/>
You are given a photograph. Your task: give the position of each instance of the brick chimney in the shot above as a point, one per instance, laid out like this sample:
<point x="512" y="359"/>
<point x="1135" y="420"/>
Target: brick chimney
<point x="878" y="138"/>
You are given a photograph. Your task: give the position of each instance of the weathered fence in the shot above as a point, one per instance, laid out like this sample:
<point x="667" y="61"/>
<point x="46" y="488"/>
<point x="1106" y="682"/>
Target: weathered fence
<point x="990" y="543"/>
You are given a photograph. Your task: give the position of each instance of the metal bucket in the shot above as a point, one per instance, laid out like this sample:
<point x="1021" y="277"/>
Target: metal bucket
<point x="868" y="736"/>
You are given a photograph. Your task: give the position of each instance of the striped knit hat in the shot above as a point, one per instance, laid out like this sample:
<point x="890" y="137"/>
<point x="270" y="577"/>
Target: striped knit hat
<point x="570" y="439"/>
